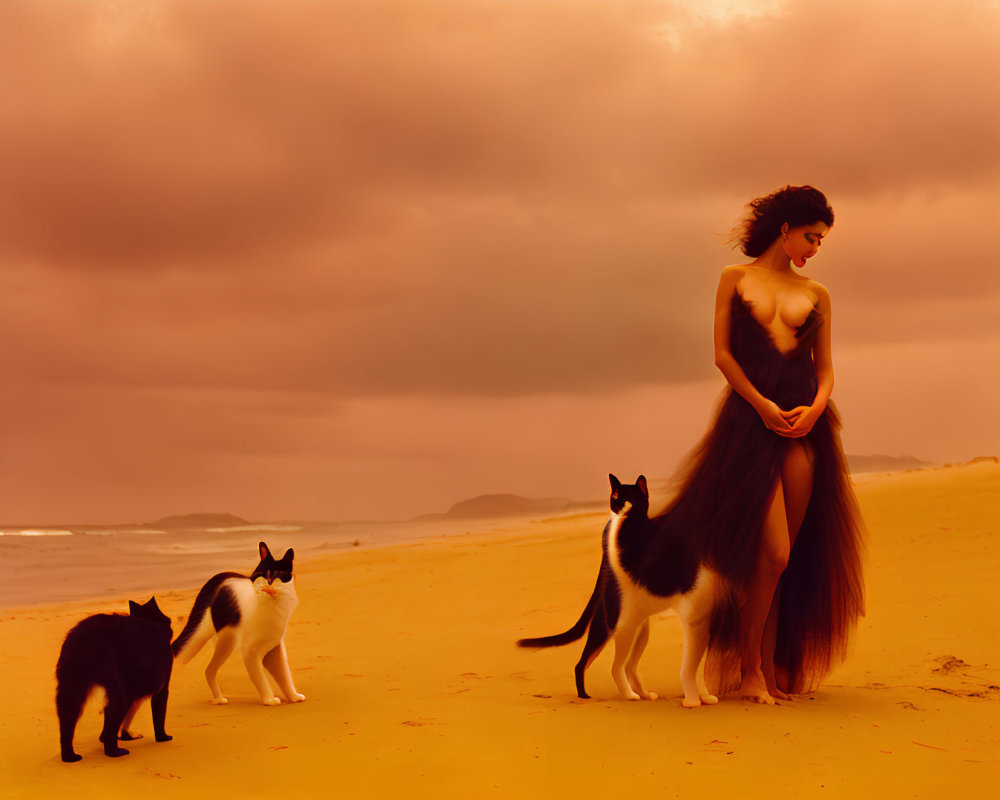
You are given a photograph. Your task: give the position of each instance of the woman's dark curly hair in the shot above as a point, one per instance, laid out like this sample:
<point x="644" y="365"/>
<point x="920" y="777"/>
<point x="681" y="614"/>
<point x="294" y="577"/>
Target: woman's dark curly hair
<point x="796" y="205"/>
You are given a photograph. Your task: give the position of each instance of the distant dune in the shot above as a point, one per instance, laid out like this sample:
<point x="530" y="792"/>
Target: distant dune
<point x="506" y="505"/>
<point x="512" y="505"/>
<point x="200" y="521"/>
<point x="885" y="463"/>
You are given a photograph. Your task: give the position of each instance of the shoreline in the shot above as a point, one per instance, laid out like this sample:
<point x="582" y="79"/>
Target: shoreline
<point x="99" y="562"/>
<point x="96" y="568"/>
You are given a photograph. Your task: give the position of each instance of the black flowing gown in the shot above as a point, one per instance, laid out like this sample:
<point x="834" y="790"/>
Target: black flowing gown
<point x="728" y="485"/>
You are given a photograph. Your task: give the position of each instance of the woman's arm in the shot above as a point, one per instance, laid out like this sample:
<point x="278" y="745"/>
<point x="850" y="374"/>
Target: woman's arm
<point x="822" y="352"/>
<point x="728" y="365"/>
<point x="803" y="418"/>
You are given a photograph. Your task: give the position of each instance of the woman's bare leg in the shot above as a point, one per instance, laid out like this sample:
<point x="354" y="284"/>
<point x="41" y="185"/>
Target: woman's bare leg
<point x="767" y="649"/>
<point x="797" y="483"/>
<point x="771" y="562"/>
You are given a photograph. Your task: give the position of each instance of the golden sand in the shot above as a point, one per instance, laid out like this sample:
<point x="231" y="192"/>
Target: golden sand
<point x="415" y="688"/>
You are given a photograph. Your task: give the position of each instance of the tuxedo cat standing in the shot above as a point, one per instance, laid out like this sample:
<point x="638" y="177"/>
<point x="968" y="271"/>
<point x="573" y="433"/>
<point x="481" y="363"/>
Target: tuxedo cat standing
<point x="645" y="569"/>
<point x="250" y="613"/>
<point x="130" y="658"/>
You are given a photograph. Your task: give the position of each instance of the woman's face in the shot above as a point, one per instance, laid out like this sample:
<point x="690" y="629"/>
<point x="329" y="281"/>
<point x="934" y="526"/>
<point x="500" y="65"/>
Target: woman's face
<point x="802" y="243"/>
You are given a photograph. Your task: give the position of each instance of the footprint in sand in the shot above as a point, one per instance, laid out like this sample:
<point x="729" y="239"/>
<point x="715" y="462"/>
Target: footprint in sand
<point x="972" y="686"/>
<point x="948" y="665"/>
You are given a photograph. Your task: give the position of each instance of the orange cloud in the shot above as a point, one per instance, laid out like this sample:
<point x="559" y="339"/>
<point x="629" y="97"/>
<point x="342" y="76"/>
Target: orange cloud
<point x="457" y="202"/>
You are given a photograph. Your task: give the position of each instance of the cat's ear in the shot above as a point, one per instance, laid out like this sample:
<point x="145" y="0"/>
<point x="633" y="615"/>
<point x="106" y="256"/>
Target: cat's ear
<point x="641" y="483"/>
<point x="289" y="555"/>
<point x="615" y="483"/>
<point x="152" y="606"/>
<point x="133" y="607"/>
<point x="264" y="552"/>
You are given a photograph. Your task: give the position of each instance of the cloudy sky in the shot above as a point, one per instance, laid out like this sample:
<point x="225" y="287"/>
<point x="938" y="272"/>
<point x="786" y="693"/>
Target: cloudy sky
<point x="357" y="259"/>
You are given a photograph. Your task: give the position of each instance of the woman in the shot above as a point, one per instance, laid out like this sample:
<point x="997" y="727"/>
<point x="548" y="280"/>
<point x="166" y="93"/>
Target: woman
<point x="768" y="491"/>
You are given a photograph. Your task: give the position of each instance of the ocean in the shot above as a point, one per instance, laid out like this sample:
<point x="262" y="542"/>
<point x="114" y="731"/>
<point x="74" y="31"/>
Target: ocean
<point x="54" y="564"/>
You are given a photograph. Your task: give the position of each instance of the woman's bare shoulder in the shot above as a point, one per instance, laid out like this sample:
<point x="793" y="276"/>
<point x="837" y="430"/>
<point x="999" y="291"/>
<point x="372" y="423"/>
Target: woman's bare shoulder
<point x="732" y="274"/>
<point x="728" y="281"/>
<point x="820" y="291"/>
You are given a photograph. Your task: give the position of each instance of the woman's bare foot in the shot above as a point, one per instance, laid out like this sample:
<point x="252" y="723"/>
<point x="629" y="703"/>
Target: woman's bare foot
<point x="772" y="685"/>
<point x="777" y="694"/>
<point x="754" y="687"/>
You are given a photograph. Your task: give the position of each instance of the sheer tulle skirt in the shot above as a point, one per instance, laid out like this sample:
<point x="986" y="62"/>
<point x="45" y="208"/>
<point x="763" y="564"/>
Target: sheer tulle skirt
<point x="727" y="486"/>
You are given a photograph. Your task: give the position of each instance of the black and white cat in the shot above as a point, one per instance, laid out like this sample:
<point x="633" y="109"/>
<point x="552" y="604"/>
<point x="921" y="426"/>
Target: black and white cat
<point x="250" y="613"/>
<point x="646" y="568"/>
<point x="130" y="658"/>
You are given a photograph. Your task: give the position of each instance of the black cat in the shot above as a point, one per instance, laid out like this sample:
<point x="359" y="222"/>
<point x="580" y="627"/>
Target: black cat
<point x="646" y="568"/>
<point x="130" y="658"/>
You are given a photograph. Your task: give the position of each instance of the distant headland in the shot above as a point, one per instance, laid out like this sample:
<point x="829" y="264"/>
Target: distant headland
<point x="199" y="521"/>
<point x="507" y="505"/>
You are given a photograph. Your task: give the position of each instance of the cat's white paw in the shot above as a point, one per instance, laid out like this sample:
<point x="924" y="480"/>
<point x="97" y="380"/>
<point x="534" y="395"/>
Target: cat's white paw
<point x="653" y="696"/>
<point x="219" y="701"/>
<point x="691" y="703"/>
<point x="272" y="701"/>
<point x="297" y="698"/>
<point x="709" y="699"/>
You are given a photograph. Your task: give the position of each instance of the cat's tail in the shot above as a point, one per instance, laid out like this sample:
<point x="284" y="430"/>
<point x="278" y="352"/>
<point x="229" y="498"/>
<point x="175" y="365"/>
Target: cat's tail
<point x="581" y="625"/>
<point x="199" y="628"/>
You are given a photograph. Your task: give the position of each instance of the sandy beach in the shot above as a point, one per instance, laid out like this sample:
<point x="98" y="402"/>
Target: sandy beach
<point x="415" y="687"/>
